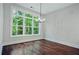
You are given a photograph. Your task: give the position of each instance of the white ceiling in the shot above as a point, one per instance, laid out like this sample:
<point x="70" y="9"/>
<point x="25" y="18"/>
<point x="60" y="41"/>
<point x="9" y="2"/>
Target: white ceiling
<point x="46" y="7"/>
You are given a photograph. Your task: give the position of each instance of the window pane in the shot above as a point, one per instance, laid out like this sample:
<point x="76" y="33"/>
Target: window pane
<point x="36" y="17"/>
<point x="20" y="13"/>
<point x="14" y="20"/>
<point x="28" y="22"/>
<point x="36" y="23"/>
<point x="28" y="30"/>
<point x="20" y="20"/>
<point x="19" y="30"/>
<point x="28" y="15"/>
<point x="36" y="30"/>
<point x="17" y="19"/>
<point x="14" y="30"/>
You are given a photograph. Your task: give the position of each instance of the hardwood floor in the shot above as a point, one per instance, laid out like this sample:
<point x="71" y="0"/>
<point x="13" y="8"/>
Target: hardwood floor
<point x="53" y="48"/>
<point x="39" y="47"/>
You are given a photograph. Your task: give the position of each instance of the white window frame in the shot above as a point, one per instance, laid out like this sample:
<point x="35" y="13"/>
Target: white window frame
<point x="19" y="9"/>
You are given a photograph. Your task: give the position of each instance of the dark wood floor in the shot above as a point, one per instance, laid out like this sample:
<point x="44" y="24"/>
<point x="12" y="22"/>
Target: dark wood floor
<point x="39" y="47"/>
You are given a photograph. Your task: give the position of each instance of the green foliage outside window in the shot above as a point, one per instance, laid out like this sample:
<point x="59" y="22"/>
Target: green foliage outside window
<point x="28" y="22"/>
<point x="28" y="30"/>
<point x="19" y="13"/>
<point x="14" y="30"/>
<point x="19" y="30"/>
<point x="19" y="19"/>
<point x="36" y="25"/>
<point x="28" y="15"/>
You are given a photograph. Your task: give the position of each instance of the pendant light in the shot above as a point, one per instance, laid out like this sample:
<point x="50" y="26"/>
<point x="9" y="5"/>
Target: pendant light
<point x="41" y="19"/>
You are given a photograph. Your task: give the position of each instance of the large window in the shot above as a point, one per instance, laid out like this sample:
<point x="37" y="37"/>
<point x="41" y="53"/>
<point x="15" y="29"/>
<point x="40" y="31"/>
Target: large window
<point x="24" y="24"/>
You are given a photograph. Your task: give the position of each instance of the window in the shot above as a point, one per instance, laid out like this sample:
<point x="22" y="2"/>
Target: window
<point x="24" y="23"/>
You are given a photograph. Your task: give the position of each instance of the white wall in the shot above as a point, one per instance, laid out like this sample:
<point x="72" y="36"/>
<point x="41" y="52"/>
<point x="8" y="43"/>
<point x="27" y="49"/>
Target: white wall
<point x="62" y="26"/>
<point x="7" y="24"/>
<point x="1" y="26"/>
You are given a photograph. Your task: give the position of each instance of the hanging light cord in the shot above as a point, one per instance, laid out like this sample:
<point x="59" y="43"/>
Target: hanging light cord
<point x="40" y="10"/>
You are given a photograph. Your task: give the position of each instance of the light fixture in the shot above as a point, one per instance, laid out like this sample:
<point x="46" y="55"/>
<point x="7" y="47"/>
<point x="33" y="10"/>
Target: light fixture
<point x="41" y="19"/>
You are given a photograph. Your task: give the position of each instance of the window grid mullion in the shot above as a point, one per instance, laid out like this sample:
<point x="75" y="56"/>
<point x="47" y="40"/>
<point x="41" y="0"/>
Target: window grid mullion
<point x="23" y="25"/>
<point x="16" y="29"/>
<point x="32" y="25"/>
<point x="22" y="16"/>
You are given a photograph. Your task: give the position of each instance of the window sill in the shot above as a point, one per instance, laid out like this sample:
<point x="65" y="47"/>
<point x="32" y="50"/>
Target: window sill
<point x="24" y="35"/>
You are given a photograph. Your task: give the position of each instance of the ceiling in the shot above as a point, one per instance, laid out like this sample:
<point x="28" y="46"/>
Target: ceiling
<point x="46" y="7"/>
